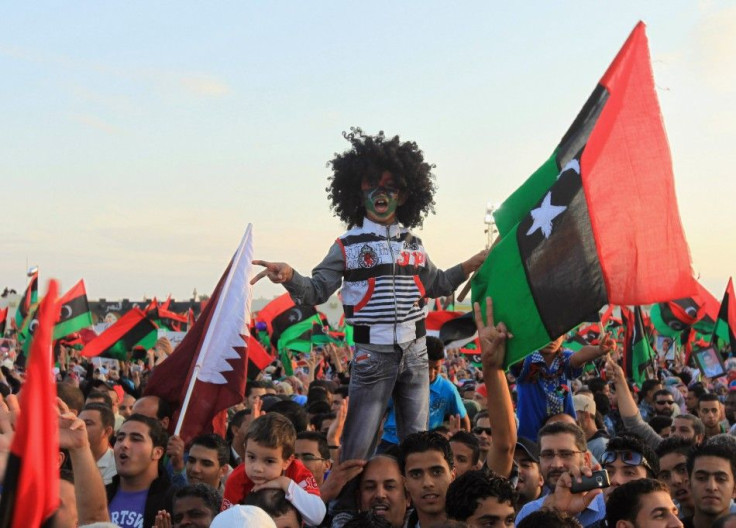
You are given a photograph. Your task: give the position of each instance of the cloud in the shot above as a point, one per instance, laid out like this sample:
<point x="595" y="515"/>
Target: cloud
<point x="95" y="122"/>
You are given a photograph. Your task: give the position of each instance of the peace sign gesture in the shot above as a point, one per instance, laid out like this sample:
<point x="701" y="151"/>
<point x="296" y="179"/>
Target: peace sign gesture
<point x="492" y="337"/>
<point x="277" y="272"/>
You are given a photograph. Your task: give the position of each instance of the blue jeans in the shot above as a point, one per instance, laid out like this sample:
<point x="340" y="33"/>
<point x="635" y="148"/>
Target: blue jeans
<point x="377" y="373"/>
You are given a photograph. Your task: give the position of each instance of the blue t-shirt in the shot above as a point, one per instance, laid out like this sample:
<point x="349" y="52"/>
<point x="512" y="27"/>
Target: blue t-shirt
<point x="444" y="399"/>
<point x="543" y="391"/>
<point x="127" y="508"/>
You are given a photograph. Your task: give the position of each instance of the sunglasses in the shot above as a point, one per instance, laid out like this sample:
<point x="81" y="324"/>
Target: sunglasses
<point x="665" y="402"/>
<point x="630" y="458"/>
<point x="481" y="430"/>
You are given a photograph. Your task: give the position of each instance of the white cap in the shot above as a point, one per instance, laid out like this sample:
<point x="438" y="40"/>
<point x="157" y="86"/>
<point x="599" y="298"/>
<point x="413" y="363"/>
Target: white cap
<point x="245" y="516"/>
<point x="583" y="402"/>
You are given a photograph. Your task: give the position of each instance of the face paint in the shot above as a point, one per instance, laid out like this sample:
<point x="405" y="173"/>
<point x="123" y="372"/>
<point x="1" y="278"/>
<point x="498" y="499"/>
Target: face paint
<point x="381" y="199"/>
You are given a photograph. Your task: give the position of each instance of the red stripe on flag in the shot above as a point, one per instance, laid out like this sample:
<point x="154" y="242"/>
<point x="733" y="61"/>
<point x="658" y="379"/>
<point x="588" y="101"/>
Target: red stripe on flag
<point x="114" y="333"/>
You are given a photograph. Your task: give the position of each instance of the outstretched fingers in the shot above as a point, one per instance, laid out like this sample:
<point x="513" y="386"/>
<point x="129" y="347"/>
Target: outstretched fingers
<point x="479" y="324"/>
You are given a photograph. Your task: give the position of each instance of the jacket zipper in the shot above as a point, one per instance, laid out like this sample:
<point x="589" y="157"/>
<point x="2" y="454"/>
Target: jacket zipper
<point x="393" y="280"/>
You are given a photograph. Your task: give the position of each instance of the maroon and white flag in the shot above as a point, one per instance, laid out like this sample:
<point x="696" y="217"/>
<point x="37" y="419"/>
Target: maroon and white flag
<point x="213" y="354"/>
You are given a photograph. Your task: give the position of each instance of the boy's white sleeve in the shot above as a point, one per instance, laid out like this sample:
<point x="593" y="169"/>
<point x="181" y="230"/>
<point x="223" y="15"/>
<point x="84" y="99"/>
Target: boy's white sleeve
<point x="311" y="507"/>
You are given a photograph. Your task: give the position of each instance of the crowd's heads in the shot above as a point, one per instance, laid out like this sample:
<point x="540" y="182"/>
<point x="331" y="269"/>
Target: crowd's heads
<point x="154" y="407"/>
<point x="207" y="460"/>
<point x="427" y="465"/>
<point x="639" y="502"/>
<point x="549" y="518"/>
<point x="662" y="425"/>
<point x="711" y="468"/>
<point x="530" y="482"/>
<point x="694" y="392"/>
<point x="293" y="411"/>
<point x="273" y="430"/>
<point x="648" y="388"/>
<point x="314" y="452"/>
<point x="689" y="427"/>
<point x="478" y="497"/>
<point x="139" y="447"/>
<point x="709" y="409"/>
<point x="664" y="403"/>
<point x="561" y="446"/>
<point x="627" y="458"/>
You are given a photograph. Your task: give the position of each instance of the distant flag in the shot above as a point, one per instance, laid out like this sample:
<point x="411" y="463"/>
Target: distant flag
<point x="699" y="311"/>
<point x="637" y="352"/>
<point x="3" y="320"/>
<point x="30" y="494"/>
<point x="133" y="328"/>
<point x="206" y="373"/>
<point x="458" y="332"/>
<point x="282" y="313"/>
<point x="725" y="326"/>
<point x="564" y="252"/>
<point x="436" y="318"/>
<point x="74" y="311"/>
<point x="29" y="299"/>
<point x="258" y="358"/>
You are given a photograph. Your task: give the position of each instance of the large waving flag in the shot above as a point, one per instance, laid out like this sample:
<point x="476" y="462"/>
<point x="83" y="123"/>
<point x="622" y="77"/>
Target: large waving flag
<point x="213" y="354"/>
<point x="30" y="494"/>
<point x="565" y="249"/>
<point x="116" y="341"/>
<point x="74" y="311"/>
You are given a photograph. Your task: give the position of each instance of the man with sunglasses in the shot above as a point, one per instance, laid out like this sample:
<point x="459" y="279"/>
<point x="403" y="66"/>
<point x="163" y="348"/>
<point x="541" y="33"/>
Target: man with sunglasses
<point x="664" y="403"/>
<point x="627" y="458"/>
<point x="563" y="453"/>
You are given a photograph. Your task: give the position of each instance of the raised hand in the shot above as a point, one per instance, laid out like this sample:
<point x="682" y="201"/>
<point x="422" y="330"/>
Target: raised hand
<point x="277" y="272"/>
<point x="492" y="337"/>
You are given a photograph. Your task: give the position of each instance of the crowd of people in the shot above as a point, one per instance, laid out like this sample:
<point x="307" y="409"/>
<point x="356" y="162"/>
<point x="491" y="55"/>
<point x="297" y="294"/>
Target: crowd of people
<point x="397" y="430"/>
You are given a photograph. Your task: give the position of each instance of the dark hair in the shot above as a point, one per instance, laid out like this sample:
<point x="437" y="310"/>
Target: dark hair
<point x="71" y="395"/>
<point x="317" y="420"/>
<point x="479" y="415"/>
<point x="674" y="444"/>
<point x="156" y="431"/>
<point x="343" y="390"/>
<point x="256" y="384"/>
<point x="602" y="403"/>
<point x="216" y="442"/>
<point x="632" y="443"/>
<point x="425" y="441"/>
<point x="662" y="392"/>
<point x="315" y="394"/>
<point x="659" y="422"/>
<point x="100" y="395"/>
<point x="466" y="491"/>
<point x="273" y="502"/>
<point x="293" y="411"/>
<point x="469" y="440"/>
<point x="713" y="450"/>
<point x="624" y="502"/>
<point x="435" y="348"/>
<point x="315" y="436"/>
<point x="236" y="421"/>
<point x="367" y="519"/>
<point x="273" y="430"/>
<point x="209" y="495"/>
<point x="318" y="407"/>
<point x="597" y="385"/>
<point x="647" y="385"/>
<point x="561" y="427"/>
<point x="368" y="158"/>
<point x="549" y="518"/>
<point x="708" y="397"/>
<point x="106" y="415"/>
<point x="698" y="390"/>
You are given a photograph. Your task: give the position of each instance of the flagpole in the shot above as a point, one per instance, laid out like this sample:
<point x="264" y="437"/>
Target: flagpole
<point x="239" y="255"/>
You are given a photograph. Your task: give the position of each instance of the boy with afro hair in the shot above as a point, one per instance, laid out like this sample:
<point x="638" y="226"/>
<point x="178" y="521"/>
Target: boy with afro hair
<point x="381" y="187"/>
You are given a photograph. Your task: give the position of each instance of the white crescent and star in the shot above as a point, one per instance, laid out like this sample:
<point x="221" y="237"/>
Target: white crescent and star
<point x="296" y="315"/>
<point x="66" y="312"/>
<point x="543" y="215"/>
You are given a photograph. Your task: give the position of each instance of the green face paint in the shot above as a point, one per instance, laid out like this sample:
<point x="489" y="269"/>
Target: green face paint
<point x="380" y="204"/>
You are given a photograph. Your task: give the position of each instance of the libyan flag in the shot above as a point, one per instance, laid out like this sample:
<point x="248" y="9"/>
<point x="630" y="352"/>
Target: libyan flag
<point x="725" y="325"/>
<point x="637" y="352"/>
<point x="74" y="312"/>
<point x="132" y="329"/>
<point x="699" y="311"/>
<point x="30" y="298"/>
<point x="582" y="231"/>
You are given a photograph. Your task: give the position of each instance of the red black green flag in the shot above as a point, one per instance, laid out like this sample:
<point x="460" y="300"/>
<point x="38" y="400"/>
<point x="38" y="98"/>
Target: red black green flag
<point x="258" y="358"/>
<point x="30" y="298"/>
<point x="30" y="494"/>
<point x="564" y="252"/>
<point x="132" y="329"/>
<point x="75" y="313"/>
<point x="725" y="327"/>
<point x="699" y="311"/>
<point x="637" y="353"/>
<point x="3" y="320"/>
<point x="282" y="313"/>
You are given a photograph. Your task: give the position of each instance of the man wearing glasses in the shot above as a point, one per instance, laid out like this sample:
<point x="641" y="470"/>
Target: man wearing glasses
<point x="627" y="458"/>
<point x="312" y="449"/>
<point x="563" y="452"/>
<point x="664" y="403"/>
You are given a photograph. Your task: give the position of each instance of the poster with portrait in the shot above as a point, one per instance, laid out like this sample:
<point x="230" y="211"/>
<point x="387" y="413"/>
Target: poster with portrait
<point x="709" y="362"/>
<point x="665" y="348"/>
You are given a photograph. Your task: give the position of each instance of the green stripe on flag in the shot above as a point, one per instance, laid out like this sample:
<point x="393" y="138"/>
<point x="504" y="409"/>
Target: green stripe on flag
<point x="521" y="201"/>
<point x="70" y="326"/>
<point x="294" y="332"/>
<point x="502" y="277"/>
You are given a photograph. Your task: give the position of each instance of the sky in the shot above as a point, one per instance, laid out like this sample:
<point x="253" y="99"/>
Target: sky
<point x="139" y="139"/>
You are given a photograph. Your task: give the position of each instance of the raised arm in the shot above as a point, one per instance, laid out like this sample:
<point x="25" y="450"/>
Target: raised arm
<point x="591" y="352"/>
<point x="500" y="409"/>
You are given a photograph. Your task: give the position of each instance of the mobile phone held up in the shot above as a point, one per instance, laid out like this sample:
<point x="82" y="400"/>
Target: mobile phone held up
<point x="598" y="480"/>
